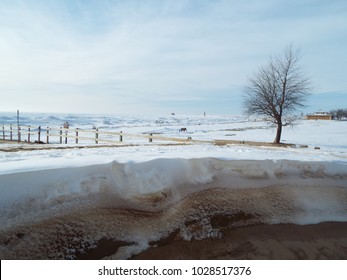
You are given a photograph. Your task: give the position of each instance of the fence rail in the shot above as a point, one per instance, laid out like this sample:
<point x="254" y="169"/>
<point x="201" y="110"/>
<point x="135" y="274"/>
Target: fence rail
<point x="61" y="135"/>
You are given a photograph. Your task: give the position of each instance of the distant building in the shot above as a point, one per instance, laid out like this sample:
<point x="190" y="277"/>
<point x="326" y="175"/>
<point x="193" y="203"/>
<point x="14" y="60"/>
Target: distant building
<point x="320" y="116"/>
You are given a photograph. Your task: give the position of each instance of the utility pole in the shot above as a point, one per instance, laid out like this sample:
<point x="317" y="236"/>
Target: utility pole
<point x="18" y="126"/>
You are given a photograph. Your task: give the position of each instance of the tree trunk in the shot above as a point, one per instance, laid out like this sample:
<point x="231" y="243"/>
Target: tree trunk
<point x="278" y="133"/>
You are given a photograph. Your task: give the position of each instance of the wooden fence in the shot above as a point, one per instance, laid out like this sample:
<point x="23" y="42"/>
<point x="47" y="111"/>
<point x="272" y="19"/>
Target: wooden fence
<point x="61" y="135"/>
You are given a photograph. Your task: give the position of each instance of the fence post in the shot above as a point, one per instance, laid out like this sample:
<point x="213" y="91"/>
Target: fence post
<point x="39" y="135"/>
<point x="19" y="133"/>
<point x="121" y="136"/>
<point x="76" y="135"/>
<point x="18" y="127"/>
<point x="66" y="132"/>
<point x="29" y="134"/>
<point x="47" y="135"/>
<point x="150" y="139"/>
<point x="11" y="132"/>
<point x="61" y="135"/>
<point x="3" y="132"/>
<point x="96" y="135"/>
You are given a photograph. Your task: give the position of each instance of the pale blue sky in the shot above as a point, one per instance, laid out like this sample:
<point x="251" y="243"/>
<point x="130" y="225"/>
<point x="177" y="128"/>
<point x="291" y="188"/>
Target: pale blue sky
<point x="162" y="56"/>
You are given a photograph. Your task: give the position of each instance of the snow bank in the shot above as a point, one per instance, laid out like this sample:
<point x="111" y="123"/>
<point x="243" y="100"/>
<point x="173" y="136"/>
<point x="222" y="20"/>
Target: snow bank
<point x="31" y="193"/>
<point x="146" y="201"/>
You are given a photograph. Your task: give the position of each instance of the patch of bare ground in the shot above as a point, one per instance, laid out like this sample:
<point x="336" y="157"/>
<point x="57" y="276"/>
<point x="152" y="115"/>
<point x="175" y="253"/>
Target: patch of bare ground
<point x="218" y="142"/>
<point x="33" y="147"/>
<point x="255" y="143"/>
<point x="267" y="242"/>
<point x="104" y="247"/>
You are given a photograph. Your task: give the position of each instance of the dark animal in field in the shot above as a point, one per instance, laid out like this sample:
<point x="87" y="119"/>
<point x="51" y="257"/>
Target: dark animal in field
<point x="183" y="129"/>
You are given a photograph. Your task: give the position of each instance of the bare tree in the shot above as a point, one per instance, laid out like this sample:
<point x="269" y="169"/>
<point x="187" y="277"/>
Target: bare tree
<point x="339" y="114"/>
<point x="278" y="89"/>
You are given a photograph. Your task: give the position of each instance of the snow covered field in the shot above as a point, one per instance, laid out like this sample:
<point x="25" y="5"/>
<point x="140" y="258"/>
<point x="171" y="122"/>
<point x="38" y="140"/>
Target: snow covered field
<point x="140" y="194"/>
<point x="329" y="136"/>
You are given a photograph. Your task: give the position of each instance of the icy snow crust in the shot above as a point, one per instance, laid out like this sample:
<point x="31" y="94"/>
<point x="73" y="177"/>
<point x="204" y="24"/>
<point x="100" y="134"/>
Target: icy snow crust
<point x="140" y="203"/>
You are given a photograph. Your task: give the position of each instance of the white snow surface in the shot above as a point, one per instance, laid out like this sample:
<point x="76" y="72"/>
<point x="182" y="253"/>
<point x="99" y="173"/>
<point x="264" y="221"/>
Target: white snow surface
<point x="329" y="136"/>
<point x="38" y="184"/>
